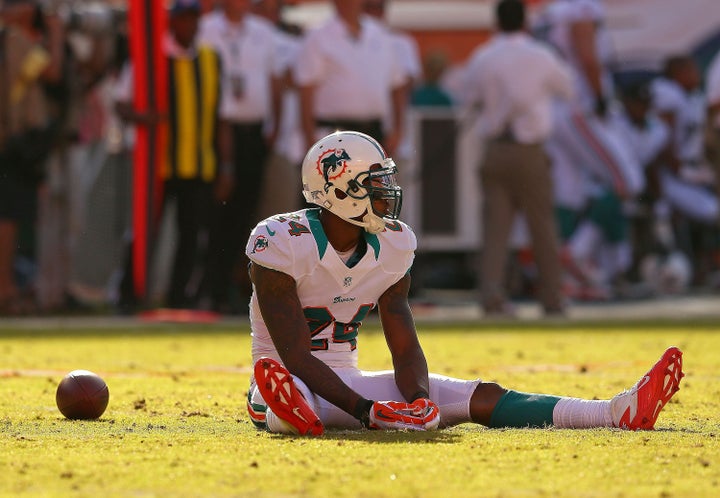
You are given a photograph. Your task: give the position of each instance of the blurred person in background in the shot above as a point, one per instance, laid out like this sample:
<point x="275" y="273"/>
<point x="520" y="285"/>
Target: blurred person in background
<point x="195" y="133"/>
<point x="211" y="15"/>
<point x="31" y="61"/>
<point x="67" y="278"/>
<point x="513" y="80"/>
<point x="690" y="200"/>
<point x="287" y="155"/>
<point x="430" y="91"/>
<point x="592" y="164"/>
<point x="407" y="55"/>
<point x="652" y="258"/>
<point x="405" y="46"/>
<point x="251" y="105"/>
<point x="712" y="126"/>
<point x="349" y="78"/>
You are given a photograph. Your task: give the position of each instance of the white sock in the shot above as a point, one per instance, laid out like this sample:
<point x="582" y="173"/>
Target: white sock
<point x="615" y="259"/>
<point x="576" y="413"/>
<point x="584" y="241"/>
<point x="278" y="425"/>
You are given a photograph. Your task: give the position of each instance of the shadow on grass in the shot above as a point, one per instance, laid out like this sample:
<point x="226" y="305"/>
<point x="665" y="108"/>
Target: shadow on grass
<point x="144" y="330"/>
<point x="40" y="329"/>
<point x="383" y="437"/>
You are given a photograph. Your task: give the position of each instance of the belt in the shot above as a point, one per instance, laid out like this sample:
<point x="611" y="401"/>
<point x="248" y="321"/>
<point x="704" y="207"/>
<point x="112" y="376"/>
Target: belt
<point x="508" y="137"/>
<point x="246" y="125"/>
<point x="348" y="124"/>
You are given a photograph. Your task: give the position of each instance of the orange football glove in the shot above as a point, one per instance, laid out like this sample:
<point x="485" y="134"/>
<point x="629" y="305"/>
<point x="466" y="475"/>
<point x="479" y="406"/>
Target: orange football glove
<point x="420" y="415"/>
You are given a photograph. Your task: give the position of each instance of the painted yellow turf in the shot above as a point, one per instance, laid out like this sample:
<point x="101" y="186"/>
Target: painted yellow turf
<point x="176" y="423"/>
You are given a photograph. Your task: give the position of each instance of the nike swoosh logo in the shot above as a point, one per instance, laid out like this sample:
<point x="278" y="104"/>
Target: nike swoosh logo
<point x="271" y="233"/>
<point x="382" y="414"/>
<point x="644" y="381"/>
<point x="296" y="412"/>
<point x="658" y="407"/>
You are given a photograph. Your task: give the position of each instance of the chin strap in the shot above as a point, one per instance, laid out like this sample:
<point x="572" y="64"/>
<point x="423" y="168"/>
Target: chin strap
<point x="374" y="224"/>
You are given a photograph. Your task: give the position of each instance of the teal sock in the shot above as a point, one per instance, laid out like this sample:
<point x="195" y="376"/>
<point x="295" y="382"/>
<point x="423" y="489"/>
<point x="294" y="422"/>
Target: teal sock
<point x="516" y="409"/>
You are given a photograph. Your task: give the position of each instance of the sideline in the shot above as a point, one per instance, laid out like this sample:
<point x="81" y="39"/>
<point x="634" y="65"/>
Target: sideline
<point x="439" y="307"/>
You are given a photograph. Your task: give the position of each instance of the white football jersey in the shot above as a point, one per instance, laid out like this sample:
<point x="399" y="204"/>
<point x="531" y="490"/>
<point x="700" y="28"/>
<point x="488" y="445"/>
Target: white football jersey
<point x="554" y="26"/>
<point x="690" y="116"/>
<point x="335" y="298"/>
<point x="645" y="142"/>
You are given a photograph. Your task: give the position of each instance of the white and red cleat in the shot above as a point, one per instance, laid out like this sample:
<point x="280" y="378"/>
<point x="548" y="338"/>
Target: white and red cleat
<point x="639" y="407"/>
<point x="278" y="390"/>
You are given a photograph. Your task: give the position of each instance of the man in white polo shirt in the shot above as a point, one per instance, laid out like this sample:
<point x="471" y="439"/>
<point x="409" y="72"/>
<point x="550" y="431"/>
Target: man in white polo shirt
<point x="348" y="75"/>
<point x="514" y="79"/>
<point x="250" y="102"/>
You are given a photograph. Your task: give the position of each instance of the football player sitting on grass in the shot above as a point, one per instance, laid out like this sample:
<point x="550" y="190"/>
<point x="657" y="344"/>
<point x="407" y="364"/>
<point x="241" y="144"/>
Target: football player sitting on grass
<point x="316" y="275"/>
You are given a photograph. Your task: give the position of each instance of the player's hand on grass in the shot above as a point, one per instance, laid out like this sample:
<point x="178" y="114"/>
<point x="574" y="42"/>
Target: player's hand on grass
<point x="420" y="415"/>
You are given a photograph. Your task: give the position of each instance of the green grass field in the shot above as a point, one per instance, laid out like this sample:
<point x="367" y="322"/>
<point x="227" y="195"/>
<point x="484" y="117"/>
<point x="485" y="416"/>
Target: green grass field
<point x="176" y="424"/>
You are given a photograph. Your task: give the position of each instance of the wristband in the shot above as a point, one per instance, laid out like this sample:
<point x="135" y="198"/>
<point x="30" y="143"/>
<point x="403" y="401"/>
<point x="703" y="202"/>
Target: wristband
<point x="418" y="395"/>
<point x="362" y="411"/>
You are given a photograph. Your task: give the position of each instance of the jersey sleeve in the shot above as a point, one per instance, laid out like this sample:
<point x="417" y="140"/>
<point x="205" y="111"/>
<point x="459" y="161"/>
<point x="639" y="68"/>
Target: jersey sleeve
<point x="309" y="66"/>
<point x="585" y="10"/>
<point x="268" y="247"/>
<point x="713" y="81"/>
<point x="666" y="96"/>
<point x="400" y="241"/>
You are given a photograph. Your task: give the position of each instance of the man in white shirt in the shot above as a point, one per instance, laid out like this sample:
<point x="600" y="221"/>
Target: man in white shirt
<point x="348" y="76"/>
<point x="289" y="145"/>
<point x="408" y="55"/>
<point x="515" y="79"/>
<point x="712" y="129"/>
<point x="250" y="102"/>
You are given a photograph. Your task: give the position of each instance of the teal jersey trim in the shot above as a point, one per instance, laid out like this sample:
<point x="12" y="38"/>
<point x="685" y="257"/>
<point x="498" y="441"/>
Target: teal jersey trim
<point x="373" y="242"/>
<point x="313" y="217"/>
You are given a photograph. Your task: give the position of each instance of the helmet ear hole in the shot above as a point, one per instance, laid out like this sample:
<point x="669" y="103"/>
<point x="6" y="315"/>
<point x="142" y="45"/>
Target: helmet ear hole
<point x="340" y="194"/>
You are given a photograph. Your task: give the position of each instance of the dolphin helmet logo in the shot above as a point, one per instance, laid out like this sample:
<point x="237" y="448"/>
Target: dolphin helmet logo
<point x="332" y="164"/>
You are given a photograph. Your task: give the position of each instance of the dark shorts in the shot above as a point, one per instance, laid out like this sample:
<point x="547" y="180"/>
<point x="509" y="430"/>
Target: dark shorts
<point x="18" y="200"/>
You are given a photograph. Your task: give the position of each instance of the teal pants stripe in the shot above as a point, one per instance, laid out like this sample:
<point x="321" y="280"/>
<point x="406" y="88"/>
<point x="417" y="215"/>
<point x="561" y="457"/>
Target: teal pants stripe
<point x="516" y="409"/>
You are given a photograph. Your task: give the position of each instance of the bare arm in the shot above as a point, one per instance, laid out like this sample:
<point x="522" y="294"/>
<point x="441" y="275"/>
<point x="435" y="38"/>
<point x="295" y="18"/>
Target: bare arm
<point x="307" y="114"/>
<point x="712" y="112"/>
<point x="670" y="152"/>
<point x="55" y="45"/>
<point x="411" y="372"/>
<point x="283" y="315"/>
<point x="398" y="101"/>
<point x="277" y="89"/>
<point x="582" y="35"/>
<point x="225" y="182"/>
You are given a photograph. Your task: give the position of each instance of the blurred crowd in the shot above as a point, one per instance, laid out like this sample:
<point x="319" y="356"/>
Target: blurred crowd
<point x="634" y="166"/>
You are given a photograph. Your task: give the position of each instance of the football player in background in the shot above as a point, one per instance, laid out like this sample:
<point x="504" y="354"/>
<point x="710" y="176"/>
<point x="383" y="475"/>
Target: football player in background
<point x="593" y="168"/>
<point x="318" y="272"/>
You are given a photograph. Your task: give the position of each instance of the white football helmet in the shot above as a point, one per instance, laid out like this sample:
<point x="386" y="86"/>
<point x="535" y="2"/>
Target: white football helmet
<point x="349" y="174"/>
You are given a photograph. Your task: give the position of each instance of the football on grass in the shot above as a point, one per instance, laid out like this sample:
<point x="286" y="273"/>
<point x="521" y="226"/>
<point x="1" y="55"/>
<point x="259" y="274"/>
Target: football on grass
<point x="82" y="395"/>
